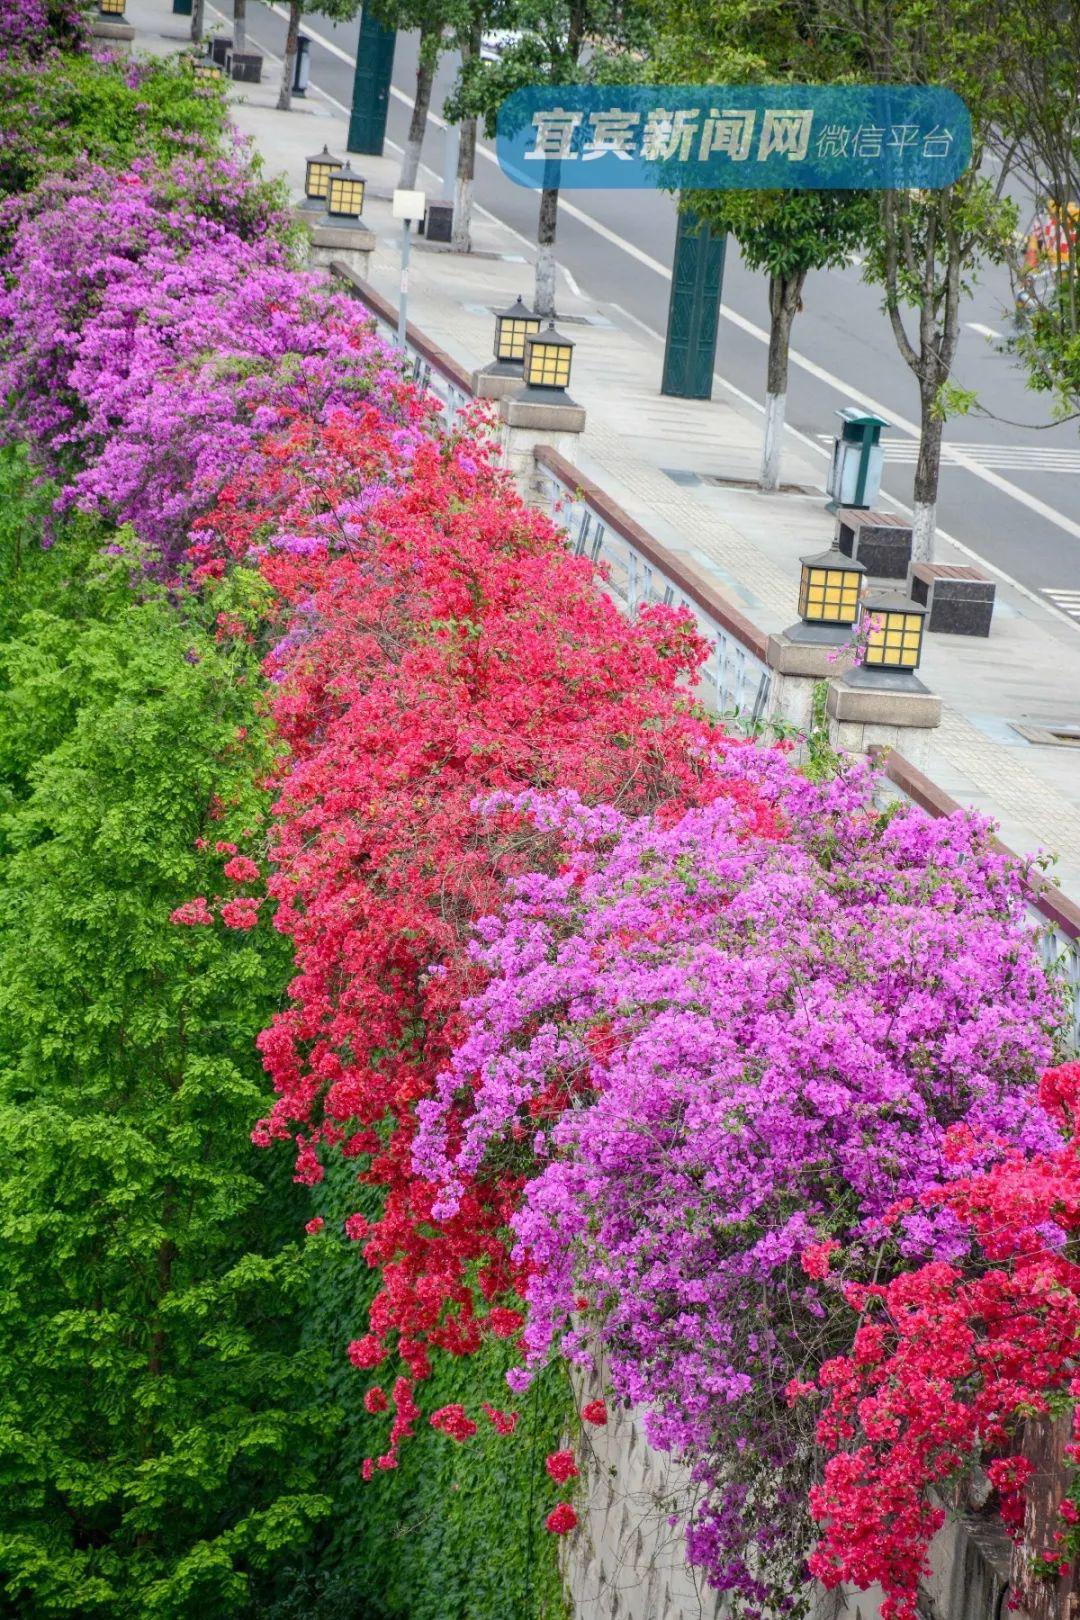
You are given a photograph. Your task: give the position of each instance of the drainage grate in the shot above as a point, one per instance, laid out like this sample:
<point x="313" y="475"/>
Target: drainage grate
<point x="752" y="483"/>
<point x="681" y="475"/>
<point x="1050" y="736"/>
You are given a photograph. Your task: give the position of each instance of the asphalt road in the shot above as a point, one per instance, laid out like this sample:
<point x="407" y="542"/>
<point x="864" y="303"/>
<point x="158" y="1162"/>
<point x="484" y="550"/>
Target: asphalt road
<point x="1013" y="496"/>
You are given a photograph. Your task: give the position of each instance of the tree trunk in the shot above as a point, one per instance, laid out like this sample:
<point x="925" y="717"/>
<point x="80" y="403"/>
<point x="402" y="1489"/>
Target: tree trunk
<point x="425" y="73"/>
<point x="544" y="302"/>
<point x="784" y="302"/>
<point x="239" y="26"/>
<point x="927" y="472"/>
<point x="461" y="234"/>
<point x="288" y="67"/>
<point x="197" y="8"/>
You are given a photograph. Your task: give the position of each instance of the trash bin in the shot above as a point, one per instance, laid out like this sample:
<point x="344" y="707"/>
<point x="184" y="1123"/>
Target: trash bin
<point x="302" y="76"/>
<point x="439" y="221"/>
<point x="219" y="50"/>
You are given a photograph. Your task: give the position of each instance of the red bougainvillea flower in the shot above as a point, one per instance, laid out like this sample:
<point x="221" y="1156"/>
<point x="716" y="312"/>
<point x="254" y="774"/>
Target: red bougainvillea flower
<point x="375" y="1400"/>
<point x="242" y="913"/>
<point x="452" y="1420"/>
<point x="315" y="1224"/>
<point x="561" y="1520"/>
<point x="192" y="913"/>
<point x="595" y="1412"/>
<point x="241" y="869"/>
<point x="501" y="1422"/>
<point x="815" y="1260"/>
<point x="561" y="1466"/>
<point x="504" y="1323"/>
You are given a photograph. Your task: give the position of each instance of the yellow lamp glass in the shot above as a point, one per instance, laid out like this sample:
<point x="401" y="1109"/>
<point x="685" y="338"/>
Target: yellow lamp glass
<point x="895" y="641"/>
<point x="512" y="327"/>
<point x="829" y="588"/>
<point x="548" y="358"/>
<point x="344" y="193"/>
<point x="319" y="169"/>
<point x="111" y="8"/>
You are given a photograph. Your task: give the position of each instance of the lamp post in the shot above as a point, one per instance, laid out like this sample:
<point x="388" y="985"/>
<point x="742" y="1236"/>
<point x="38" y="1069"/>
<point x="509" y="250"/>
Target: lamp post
<point x="344" y="194"/>
<point x="830" y="585"/>
<point x="893" y="626"/>
<point x="407" y="206"/>
<point x="547" y="362"/>
<point x="317" y="172"/>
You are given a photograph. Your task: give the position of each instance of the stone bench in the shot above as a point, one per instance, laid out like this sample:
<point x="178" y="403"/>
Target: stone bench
<point x="960" y="598"/>
<point x="881" y="541"/>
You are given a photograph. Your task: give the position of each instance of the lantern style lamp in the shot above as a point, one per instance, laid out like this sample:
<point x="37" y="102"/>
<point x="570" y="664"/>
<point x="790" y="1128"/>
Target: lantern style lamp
<point x="512" y="327"/>
<point x="895" y="641"/>
<point x="344" y="195"/>
<point x="318" y="170"/>
<point x="503" y="375"/>
<point x="113" y="9"/>
<point x="547" y="361"/>
<point x="829" y="589"/>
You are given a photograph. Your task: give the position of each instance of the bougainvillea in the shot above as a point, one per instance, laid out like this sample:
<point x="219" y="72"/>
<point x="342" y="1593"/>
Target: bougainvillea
<point x="446" y="644"/>
<point x="708" y="1051"/>
<point x="948" y="1358"/>
<point x="569" y="964"/>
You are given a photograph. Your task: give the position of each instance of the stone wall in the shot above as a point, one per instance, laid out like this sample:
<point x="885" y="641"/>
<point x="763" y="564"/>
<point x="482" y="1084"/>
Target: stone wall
<point x="626" y="1561"/>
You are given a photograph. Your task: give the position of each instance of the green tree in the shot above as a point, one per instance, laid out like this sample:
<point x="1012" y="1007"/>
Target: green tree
<point x="783" y="234"/>
<point x="159" y="1423"/>
<point x="1039" y="137"/>
<point x="929" y="246"/>
<point x="558" y="42"/>
<point x="334" y="10"/>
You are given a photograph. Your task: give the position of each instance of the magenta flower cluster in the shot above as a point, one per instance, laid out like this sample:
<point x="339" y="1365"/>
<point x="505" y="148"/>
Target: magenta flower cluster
<point x="149" y="342"/>
<point x="722" y="1048"/>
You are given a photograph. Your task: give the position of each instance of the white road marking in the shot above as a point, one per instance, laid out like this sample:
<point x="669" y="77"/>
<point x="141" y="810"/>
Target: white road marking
<point x="983" y="331"/>
<point x="1066" y="600"/>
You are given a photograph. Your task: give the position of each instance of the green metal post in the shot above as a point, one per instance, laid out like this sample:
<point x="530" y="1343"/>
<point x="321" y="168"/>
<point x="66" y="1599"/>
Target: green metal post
<point x="697" y="281"/>
<point x="371" y="86"/>
<point x="181" y="8"/>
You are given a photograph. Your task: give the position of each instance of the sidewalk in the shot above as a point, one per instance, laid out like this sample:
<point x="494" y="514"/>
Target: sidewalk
<point x="657" y="456"/>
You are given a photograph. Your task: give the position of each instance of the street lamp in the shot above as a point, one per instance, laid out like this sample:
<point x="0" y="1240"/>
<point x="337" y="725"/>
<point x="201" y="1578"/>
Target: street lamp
<point x="318" y="170"/>
<point x="894" y="632"/>
<point x="512" y="327"/>
<point x="547" y="361"/>
<point x="344" y="193"/>
<point x="829" y="589"/>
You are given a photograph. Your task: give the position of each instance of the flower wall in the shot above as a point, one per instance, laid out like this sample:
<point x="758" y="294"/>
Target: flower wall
<point x="604" y="1032"/>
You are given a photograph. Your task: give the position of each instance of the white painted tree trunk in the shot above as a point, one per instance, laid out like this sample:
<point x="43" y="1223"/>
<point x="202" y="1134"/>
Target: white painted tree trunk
<point x="547" y="226"/>
<point x="461" y="234"/>
<point x="239" y="27"/>
<point x="923" y="530"/>
<point x="775" y="408"/>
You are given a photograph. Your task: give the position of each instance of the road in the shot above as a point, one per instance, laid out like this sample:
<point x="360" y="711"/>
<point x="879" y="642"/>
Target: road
<point x="1011" y="492"/>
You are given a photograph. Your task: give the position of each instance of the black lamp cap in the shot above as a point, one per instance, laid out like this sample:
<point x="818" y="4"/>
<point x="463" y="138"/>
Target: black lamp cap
<point x="834" y="558"/>
<point x="550" y="335"/>
<point x="325" y="156"/>
<point x="885" y="601"/>
<point x="518" y="311"/>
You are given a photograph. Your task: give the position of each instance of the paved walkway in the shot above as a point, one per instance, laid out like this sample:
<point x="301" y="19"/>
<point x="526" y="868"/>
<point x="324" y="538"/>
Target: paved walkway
<point x="659" y="457"/>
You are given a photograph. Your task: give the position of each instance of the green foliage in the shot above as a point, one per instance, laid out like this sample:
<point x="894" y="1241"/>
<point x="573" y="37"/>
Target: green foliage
<point x="788" y="233"/>
<point x="456" y="1532"/>
<point x="160" y="1424"/>
<point x="54" y="111"/>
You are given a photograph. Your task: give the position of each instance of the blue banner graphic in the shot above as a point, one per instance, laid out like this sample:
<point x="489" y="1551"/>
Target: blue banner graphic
<point x="787" y="137"/>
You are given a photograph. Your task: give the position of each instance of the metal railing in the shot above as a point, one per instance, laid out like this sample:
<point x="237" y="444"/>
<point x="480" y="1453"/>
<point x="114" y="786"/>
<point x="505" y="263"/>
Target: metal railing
<point x="736" y="679"/>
